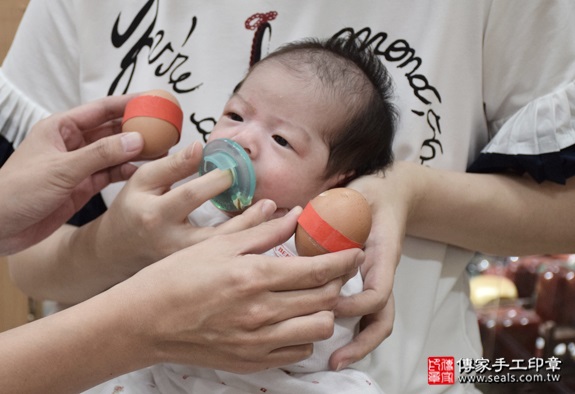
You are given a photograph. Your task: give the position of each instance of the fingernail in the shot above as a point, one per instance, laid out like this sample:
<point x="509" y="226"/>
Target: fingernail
<point x="132" y="141"/>
<point x="342" y="365"/>
<point x="296" y="210"/>
<point x="190" y="151"/>
<point x="268" y="207"/>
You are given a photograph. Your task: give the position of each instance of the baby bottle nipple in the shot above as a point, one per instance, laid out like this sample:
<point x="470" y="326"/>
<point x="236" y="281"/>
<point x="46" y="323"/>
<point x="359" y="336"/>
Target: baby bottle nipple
<point x="226" y="154"/>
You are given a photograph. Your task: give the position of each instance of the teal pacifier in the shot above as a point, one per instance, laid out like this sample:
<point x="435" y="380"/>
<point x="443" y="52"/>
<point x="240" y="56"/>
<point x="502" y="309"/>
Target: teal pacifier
<point x="226" y="154"/>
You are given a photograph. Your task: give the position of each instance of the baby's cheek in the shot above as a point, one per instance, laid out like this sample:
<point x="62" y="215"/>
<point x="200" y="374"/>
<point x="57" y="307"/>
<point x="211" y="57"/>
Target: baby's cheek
<point x="280" y="184"/>
<point x="265" y="192"/>
<point x="214" y="134"/>
<point x="219" y="130"/>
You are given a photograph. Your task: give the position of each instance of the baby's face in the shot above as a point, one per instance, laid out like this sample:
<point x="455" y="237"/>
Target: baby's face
<point x="279" y="119"/>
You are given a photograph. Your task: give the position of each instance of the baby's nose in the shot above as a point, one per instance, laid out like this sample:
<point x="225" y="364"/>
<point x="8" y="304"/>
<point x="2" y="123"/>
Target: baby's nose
<point x="247" y="141"/>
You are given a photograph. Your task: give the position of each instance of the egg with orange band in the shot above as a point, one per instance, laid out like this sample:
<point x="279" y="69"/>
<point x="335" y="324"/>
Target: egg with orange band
<point x="158" y="117"/>
<point x="335" y="220"/>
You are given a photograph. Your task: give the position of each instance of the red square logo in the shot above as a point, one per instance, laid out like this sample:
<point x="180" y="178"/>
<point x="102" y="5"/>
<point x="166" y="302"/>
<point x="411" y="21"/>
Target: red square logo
<point x="440" y="370"/>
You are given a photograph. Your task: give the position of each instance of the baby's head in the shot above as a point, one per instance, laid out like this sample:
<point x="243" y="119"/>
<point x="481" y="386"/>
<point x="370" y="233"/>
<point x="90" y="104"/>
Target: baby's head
<point x="312" y="115"/>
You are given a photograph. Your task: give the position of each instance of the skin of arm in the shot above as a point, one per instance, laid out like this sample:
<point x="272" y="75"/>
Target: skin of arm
<point x="506" y="215"/>
<point x="267" y="312"/>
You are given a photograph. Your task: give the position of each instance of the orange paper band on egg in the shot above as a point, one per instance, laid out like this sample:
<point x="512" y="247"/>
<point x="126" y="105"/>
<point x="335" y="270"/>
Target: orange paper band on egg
<point x="323" y="233"/>
<point x="154" y="107"/>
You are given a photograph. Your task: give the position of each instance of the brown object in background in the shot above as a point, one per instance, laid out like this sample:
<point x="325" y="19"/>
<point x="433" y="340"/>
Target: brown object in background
<point x="524" y="272"/>
<point x="11" y="12"/>
<point x="569" y="296"/>
<point x="508" y="331"/>
<point x="13" y="303"/>
<point x="556" y="294"/>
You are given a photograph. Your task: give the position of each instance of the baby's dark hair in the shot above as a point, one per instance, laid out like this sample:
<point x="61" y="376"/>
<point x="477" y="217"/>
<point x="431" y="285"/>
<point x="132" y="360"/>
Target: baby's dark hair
<point x="353" y="73"/>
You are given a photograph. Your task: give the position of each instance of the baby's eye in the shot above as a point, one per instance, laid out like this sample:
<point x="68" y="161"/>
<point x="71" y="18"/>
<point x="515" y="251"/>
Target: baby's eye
<point x="281" y="140"/>
<point x="235" y="117"/>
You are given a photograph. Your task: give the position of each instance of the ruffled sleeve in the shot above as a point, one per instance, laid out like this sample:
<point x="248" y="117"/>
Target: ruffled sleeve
<point x="17" y="113"/>
<point x="539" y="139"/>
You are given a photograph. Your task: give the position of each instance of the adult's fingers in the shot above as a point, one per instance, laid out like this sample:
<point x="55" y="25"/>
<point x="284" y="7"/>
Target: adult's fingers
<point x="294" y="272"/>
<point x="92" y="115"/>
<point x="375" y="329"/>
<point x="311" y="272"/>
<point x="300" y="330"/>
<point x="287" y="304"/>
<point x="163" y="173"/>
<point x="361" y="304"/>
<point x="186" y="197"/>
<point x="107" y="152"/>
<point x="111" y="127"/>
<point x="264" y="237"/>
<point x="293" y="336"/>
<point x="117" y="173"/>
<point x="256" y="214"/>
<point x="283" y="343"/>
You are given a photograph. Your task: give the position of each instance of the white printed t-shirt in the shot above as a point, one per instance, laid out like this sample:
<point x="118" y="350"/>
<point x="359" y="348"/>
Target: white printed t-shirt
<point x="464" y="72"/>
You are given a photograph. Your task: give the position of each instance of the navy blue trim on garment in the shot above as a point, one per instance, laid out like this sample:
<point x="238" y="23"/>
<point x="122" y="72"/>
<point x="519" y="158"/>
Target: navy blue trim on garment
<point x="6" y="150"/>
<point x="555" y="167"/>
<point x="94" y="208"/>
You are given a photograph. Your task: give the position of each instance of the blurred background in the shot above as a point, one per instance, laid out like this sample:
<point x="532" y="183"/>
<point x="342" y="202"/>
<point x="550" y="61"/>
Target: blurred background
<point x="526" y="310"/>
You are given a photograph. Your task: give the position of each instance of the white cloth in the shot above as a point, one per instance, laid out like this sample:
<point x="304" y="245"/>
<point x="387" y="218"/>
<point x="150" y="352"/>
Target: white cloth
<point x="174" y="379"/>
<point x="553" y="112"/>
<point x="17" y="113"/>
<point x="462" y="69"/>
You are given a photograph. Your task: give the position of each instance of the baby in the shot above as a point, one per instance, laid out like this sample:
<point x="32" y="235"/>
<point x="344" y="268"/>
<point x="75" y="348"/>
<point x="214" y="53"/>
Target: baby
<point x="312" y="115"/>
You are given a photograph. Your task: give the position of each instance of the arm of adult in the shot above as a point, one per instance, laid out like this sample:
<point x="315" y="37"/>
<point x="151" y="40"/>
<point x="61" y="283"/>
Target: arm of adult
<point x="491" y="213"/>
<point x="65" y="160"/>
<point x="146" y="222"/>
<point x="219" y="305"/>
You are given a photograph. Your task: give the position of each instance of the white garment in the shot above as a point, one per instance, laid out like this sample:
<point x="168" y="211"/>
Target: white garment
<point x="174" y="379"/>
<point x="462" y="70"/>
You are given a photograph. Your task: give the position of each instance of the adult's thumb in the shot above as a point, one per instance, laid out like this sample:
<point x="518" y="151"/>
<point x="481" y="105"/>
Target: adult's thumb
<point x="103" y="153"/>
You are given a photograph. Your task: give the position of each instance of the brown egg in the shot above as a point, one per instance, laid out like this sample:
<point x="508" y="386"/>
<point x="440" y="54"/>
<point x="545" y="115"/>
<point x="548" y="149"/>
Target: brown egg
<point x="335" y="220"/>
<point x="156" y="115"/>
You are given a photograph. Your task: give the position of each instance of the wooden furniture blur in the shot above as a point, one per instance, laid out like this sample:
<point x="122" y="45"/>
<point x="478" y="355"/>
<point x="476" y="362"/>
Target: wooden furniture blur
<point x="11" y="12"/>
<point x="13" y="303"/>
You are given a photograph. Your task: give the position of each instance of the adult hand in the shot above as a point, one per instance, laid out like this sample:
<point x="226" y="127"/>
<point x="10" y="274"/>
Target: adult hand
<point x="151" y="216"/>
<point x="146" y="222"/>
<point x="220" y="304"/>
<point x="65" y="160"/>
<point x="217" y="304"/>
<point x="390" y="198"/>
